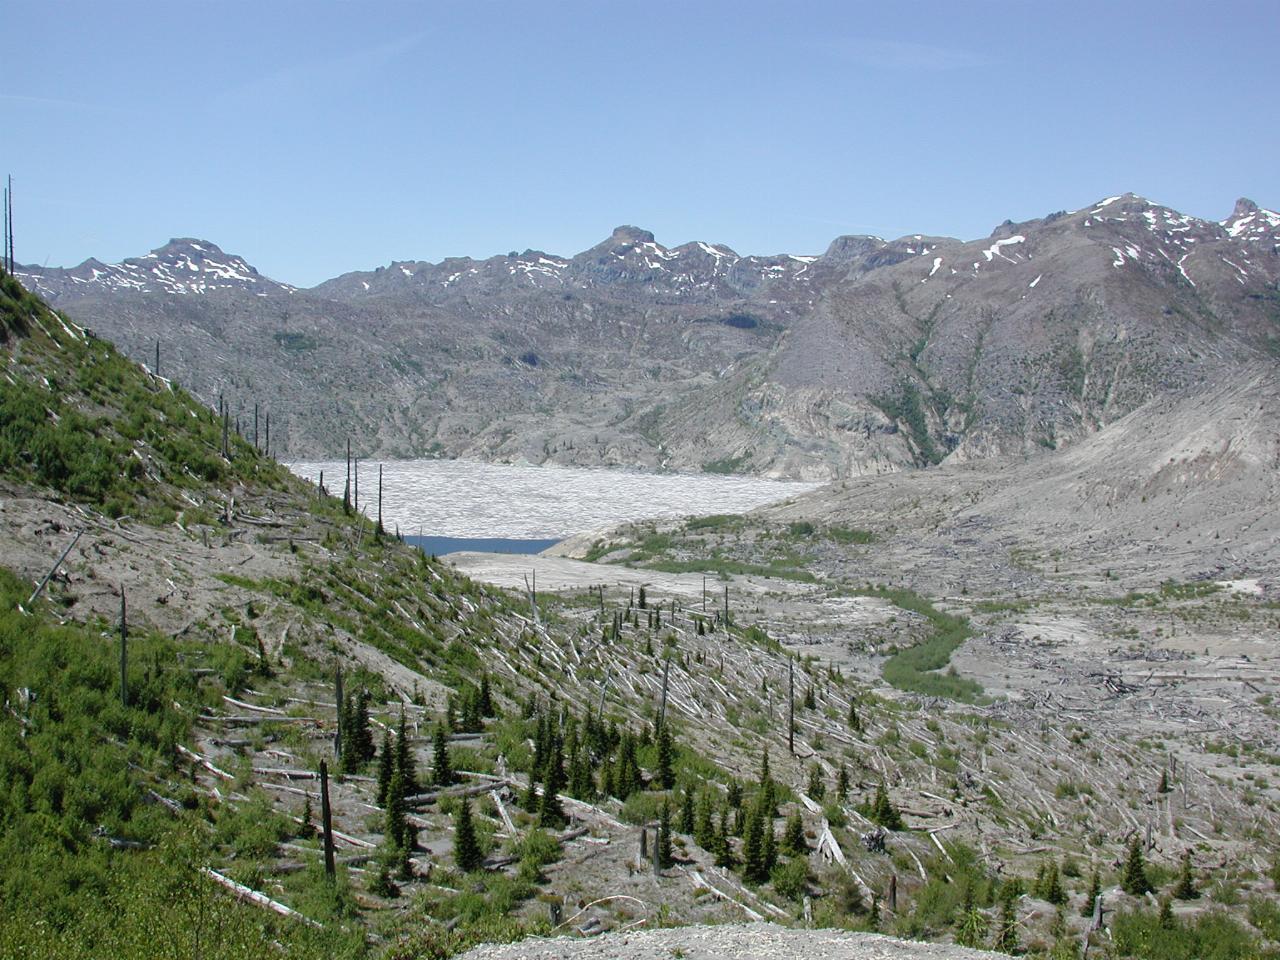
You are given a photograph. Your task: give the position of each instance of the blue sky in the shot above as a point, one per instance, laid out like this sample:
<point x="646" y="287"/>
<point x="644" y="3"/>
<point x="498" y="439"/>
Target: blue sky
<point x="317" y="137"/>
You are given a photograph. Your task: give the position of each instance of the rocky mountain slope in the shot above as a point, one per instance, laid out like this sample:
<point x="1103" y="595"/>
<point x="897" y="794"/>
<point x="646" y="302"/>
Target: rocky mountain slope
<point x="1185" y="487"/>
<point x="873" y="356"/>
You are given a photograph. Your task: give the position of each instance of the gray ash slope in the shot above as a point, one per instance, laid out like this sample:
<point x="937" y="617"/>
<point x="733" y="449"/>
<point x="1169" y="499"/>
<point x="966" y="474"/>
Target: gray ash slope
<point x="874" y="356"/>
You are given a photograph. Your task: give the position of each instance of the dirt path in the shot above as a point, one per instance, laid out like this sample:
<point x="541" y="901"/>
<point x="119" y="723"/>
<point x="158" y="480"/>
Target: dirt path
<point x="757" y="941"/>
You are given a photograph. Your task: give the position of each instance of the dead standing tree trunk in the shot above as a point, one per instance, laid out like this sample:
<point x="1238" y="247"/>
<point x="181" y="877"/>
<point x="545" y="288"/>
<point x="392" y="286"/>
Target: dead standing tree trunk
<point x="337" y="690"/>
<point x="124" y="651"/>
<point x="531" y="588"/>
<point x="346" y="490"/>
<point x="791" y="706"/>
<point x="326" y="819"/>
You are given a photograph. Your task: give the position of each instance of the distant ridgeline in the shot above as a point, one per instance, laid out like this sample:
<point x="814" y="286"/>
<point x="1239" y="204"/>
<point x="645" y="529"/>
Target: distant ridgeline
<point x="875" y="355"/>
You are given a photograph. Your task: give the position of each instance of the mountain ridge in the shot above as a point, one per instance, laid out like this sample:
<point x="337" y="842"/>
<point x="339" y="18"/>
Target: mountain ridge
<point x="876" y="355"/>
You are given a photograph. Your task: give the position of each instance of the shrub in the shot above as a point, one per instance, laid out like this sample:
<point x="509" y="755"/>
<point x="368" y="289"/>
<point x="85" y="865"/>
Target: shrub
<point x="791" y="878"/>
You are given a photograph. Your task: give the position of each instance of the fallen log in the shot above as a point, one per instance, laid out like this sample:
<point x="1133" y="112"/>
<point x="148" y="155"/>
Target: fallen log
<point x="252" y="706"/>
<point x="249" y="895"/>
<point x="422" y="799"/>
<point x="208" y="765"/>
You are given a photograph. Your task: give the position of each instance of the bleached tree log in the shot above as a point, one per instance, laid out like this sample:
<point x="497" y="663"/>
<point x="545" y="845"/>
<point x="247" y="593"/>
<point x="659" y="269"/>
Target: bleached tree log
<point x="249" y="895"/>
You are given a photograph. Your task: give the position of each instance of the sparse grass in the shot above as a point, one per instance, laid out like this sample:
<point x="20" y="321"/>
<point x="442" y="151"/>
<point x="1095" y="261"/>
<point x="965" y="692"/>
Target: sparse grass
<point x="781" y="568"/>
<point x="726" y="465"/>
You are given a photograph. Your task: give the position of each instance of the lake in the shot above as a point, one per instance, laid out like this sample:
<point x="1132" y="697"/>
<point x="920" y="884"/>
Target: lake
<point x="468" y="500"/>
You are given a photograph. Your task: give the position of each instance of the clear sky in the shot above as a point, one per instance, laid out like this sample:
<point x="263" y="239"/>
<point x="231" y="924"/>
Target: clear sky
<point x="316" y="137"/>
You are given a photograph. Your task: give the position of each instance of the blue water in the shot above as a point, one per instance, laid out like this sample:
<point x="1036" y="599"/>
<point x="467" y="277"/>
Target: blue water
<point x="442" y="545"/>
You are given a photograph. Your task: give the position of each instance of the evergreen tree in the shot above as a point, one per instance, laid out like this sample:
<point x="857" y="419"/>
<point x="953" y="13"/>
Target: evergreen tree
<point x="349" y="761"/>
<point x="541" y="742"/>
<point x="396" y="827"/>
<point x="735" y="794"/>
<point x="873" y="915"/>
<point x="1163" y="785"/>
<point x="769" y="848"/>
<point x="486" y="697"/>
<point x="1135" y="880"/>
<point x="855" y="722"/>
<point x="643" y="605"/>
<point x="529" y="801"/>
<point x="441" y="767"/>
<point x="753" y="846"/>
<point x="842" y="784"/>
<point x="466" y="848"/>
<point x="664" y="836"/>
<point x="810" y="701"/>
<point x="1186" y="887"/>
<point x="704" y="829"/>
<point x="550" y="812"/>
<point x="767" y="795"/>
<point x="665" y="774"/>
<point x="721" y="848"/>
<point x="816" y="789"/>
<point x="308" y="829"/>
<point x="1052" y="886"/>
<point x="1006" y="935"/>
<point x="687" y="820"/>
<point x="404" y="758"/>
<point x="469" y="719"/>
<point x="386" y="767"/>
<point x="793" y="836"/>
<point x="380" y="882"/>
<point x="883" y="812"/>
<point x="609" y="780"/>
<point x="627" y="778"/>
<point x="582" y="783"/>
<point x="362" y="735"/>
<point x="1165" y="918"/>
<point x="1095" y="891"/>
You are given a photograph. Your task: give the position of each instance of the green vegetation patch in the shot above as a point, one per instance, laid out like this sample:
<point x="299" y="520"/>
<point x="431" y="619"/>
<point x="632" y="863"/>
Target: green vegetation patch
<point x="95" y="864"/>
<point x="127" y="443"/>
<point x="913" y="669"/>
<point x="906" y="406"/>
<point x="295" y="342"/>
<point x="726" y="465"/>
